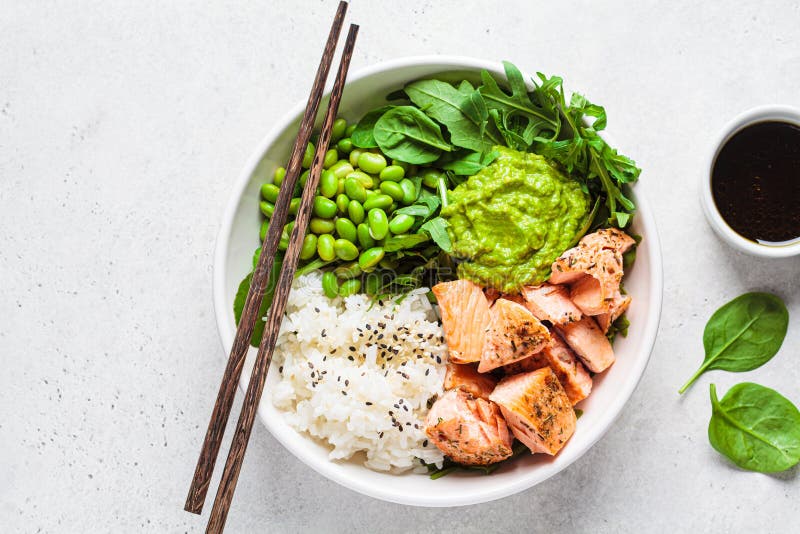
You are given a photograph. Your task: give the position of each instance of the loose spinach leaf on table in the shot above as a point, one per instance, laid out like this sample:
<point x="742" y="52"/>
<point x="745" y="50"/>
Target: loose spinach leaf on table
<point x="464" y="115"/>
<point x="363" y="136"/>
<point x="743" y="334"/>
<point x="241" y="296"/>
<point x="755" y="427"/>
<point x="407" y="134"/>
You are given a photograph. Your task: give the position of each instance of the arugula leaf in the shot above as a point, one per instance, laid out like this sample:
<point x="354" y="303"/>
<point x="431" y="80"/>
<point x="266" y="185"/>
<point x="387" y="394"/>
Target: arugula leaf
<point x="465" y="116"/>
<point x="401" y="242"/>
<point x="437" y="229"/>
<point x="743" y="334"/>
<point x="407" y="134"/>
<point x="465" y="163"/>
<point x="755" y="427"/>
<point x="362" y="136"/>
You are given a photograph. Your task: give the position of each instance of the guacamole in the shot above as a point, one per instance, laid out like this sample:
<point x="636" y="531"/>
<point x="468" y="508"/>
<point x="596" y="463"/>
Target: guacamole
<point x="512" y="219"/>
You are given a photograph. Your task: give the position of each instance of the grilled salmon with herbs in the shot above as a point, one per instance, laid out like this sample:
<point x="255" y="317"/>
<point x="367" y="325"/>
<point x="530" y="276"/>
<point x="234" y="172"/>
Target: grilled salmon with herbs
<point x="536" y="409"/>
<point x="550" y="302"/>
<point x="465" y="318"/>
<point x="468" y="430"/>
<point x="466" y="377"/>
<point x="589" y="343"/>
<point x="513" y="334"/>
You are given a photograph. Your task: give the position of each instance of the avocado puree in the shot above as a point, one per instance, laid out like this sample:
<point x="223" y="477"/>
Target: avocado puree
<point x="510" y="221"/>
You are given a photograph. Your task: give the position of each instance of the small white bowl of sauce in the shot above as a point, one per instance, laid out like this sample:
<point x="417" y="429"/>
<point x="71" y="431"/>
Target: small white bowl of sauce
<point x="751" y="190"/>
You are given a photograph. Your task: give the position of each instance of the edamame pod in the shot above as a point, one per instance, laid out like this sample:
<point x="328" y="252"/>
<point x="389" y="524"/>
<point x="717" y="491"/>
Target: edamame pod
<point x="325" y="247"/>
<point x="430" y="177"/>
<point x="348" y="270"/>
<point x="378" y="223"/>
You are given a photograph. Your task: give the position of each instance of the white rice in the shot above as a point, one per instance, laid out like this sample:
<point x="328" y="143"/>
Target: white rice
<point x="359" y="375"/>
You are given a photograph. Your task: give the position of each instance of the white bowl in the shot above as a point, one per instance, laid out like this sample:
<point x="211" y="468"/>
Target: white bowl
<point x="238" y="238"/>
<point x="728" y="234"/>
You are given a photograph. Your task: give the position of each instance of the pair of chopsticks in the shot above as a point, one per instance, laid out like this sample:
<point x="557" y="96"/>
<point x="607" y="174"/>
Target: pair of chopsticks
<point x="233" y="369"/>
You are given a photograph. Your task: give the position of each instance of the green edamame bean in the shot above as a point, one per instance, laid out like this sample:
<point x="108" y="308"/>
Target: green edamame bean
<point x="355" y="211"/>
<point x="346" y="229"/>
<point x="371" y="193"/>
<point x="345" y="146"/>
<point x="364" y="239"/>
<point x="256" y="255"/>
<point x="354" y="155"/>
<point x="308" y="157"/>
<point x="401" y="224"/>
<point x="338" y="128"/>
<point x="267" y="208"/>
<point x="321" y="226"/>
<point x="371" y="162"/>
<point x="350" y="287"/>
<point x="324" y="207"/>
<point x="328" y="184"/>
<point x="393" y="173"/>
<point x="270" y="192"/>
<point x="262" y="233"/>
<point x="341" y="168"/>
<point x="280" y="174"/>
<point x="294" y="205"/>
<point x="325" y="247"/>
<point x="409" y="191"/>
<point x="345" y="249"/>
<point x="304" y="177"/>
<point x="340" y="186"/>
<point x="309" y="248"/>
<point x="378" y="201"/>
<point x="342" y="201"/>
<point x="370" y="257"/>
<point x="378" y="223"/>
<point x="365" y="179"/>
<point x="393" y="207"/>
<point x="350" y="129"/>
<point x="348" y="270"/>
<point x="392" y="189"/>
<point x="330" y="285"/>
<point x="355" y="189"/>
<point x="283" y="244"/>
<point x="331" y="157"/>
<point x="430" y="177"/>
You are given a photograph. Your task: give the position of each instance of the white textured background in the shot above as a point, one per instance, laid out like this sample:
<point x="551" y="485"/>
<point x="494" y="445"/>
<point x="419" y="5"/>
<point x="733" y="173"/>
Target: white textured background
<point x="122" y="128"/>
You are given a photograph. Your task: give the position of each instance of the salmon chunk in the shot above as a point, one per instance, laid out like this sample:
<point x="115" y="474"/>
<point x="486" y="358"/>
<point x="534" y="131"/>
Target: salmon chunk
<point x="468" y="430"/>
<point x="548" y="302"/>
<point x="465" y="318"/>
<point x="593" y="269"/>
<point x="469" y="379"/>
<point x="589" y="343"/>
<point x="618" y="305"/>
<point x="536" y="409"/>
<point x="514" y="333"/>
<point x="562" y="360"/>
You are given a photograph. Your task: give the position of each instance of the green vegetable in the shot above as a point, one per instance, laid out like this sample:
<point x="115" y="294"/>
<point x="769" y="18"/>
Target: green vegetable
<point x="342" y="203"/>
<point x="328" y="184"/>
<point x="362" y="135"/>
<point x="401" y="224"/>
<point x="404" y="242"/>
<point x="393" y="189"/>
<point x="331" y="157"/>
<point x="256" y="256"/>
<point x="378" y="201"/>
<point x="757" y="428"/>
<point x="450" y="466"/>
<point x="406" y="133"/>
<point x="241" y="296"/>
<point x="350" y="129"/>
<point x="337" y="129"/>
<point x="280" y="174"/>
<point x="393" y="173"/>
<point x="308" y="156"/>
<point x="346" y="229"/>
<point x="437" y="229"/>
<point x="364" y="238"/>
<point x="330" y="285"/>
<point x="370" y="257"/>
<point x="321" y="226"/>
<point x="348" y="270"/>
<point x="309" y="248"/>
<point x="355" y="211"/>
<point x="378" y="223"/>
<point x="355" y="189"/>
<point x="350" y="287"/>
<point x="464" y="115"/>
<point x="324" y="207"/>
<point x="464" y="163"/>
<point x="267" y="208"/>
<point x="270" y="192"/>
<point x="743" y="334"/>
<point x="371" y="163"/>
<point x="325" y="247"/>
<point x="341" y="168"/>
<point x="364" y="178"/>
<point x="409" y="191"/>
<point x="345" y="145"/>
<point x="345" y="249"/>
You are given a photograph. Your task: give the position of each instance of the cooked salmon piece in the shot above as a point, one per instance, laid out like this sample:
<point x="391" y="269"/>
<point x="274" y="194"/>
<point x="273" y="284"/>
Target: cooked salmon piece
<point x="593" y="269"/>
<point x="468" y="430"/>
<point x="617" y="307"/>
<point x="549" y="302"/>
<point x="536" y="409"/>
<point x="465" y="318"/>
<point x="514" y="333"/>
<point x="589" y="343"/>
<point x="492" y="294"/>
<point x="562" y="360"/>
<point x="466" y="377"/>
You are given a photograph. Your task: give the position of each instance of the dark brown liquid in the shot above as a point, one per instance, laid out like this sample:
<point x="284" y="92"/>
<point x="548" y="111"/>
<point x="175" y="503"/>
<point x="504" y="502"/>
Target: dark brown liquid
<point x="756" y="182"/>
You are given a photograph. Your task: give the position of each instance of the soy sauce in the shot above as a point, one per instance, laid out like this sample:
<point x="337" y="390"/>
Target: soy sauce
<point x="756" y="182"/>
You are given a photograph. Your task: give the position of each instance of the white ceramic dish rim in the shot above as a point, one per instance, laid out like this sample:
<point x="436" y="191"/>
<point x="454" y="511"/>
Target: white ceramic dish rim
<point x="491" y="492"/>
<point x="720" y="226"/>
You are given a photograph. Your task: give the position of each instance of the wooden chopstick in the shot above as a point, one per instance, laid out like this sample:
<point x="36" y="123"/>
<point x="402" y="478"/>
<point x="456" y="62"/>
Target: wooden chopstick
<point x="258" y="284"/>
<point x="230" y="474"/>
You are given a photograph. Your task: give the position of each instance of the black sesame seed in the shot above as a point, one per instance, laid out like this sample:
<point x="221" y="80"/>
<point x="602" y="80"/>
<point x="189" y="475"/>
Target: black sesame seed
<point x="368" y="403"/>
<point x="351" y="358"/>
<point x="425" y="443"/>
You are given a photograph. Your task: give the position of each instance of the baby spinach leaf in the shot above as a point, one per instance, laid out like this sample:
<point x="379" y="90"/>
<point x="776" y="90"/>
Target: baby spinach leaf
<point x="743" y="334"/>
<point x="402" y="242"/>
<point x="241" y="296"/>
<point x="465" y="163"/>
<point x="464" y="115"/>
<point x="362" y="136"/>
<point x="437" y="229"/>
<point x="407" y="134"/>
<point x="757" y="428"/>
<point x="424" y="207"/>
